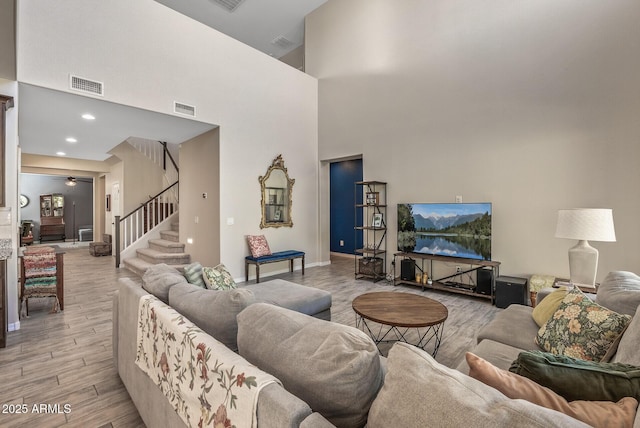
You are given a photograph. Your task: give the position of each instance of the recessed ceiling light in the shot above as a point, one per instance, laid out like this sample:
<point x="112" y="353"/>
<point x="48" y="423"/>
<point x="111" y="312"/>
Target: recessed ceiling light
<point x="88" y="116"/>
<point x="61" y="153"/>
<point x="71" y="140"/>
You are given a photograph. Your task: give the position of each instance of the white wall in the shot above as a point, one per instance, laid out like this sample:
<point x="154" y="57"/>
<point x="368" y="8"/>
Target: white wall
<point x="148" y="56"/>
<point x="10" y="89"/>
<point x="531" y="105"/>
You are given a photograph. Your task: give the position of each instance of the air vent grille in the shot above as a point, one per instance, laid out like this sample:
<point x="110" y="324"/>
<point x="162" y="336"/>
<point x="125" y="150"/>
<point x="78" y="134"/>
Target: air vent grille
<point x="229" y="5"/>
<point x="85" y="85"/>
<point x="182" y="108"/>
<point x="283" y="42"/>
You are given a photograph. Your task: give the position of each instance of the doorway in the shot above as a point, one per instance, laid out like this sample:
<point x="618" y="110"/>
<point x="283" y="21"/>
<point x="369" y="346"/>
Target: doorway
<point x="342" y="199"/>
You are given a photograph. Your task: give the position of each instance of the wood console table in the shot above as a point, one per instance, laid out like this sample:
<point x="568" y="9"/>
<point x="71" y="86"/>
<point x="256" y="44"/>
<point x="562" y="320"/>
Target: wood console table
<point x="448" y="283"/>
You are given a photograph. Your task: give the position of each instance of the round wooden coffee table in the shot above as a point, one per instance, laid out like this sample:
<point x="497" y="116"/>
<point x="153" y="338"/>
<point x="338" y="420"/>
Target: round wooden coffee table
<point x="401" y="312"/>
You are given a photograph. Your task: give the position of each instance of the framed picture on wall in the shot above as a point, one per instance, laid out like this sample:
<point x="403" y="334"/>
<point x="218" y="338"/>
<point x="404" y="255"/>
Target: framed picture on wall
<point x="108" y="203"/>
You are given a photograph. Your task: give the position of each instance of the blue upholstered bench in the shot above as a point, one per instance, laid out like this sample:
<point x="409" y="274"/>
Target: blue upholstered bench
<point x="280" y="256"/>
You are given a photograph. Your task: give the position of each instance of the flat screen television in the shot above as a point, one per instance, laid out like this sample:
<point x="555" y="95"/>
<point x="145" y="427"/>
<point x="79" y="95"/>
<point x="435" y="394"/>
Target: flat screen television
<point x="455" y="230"/>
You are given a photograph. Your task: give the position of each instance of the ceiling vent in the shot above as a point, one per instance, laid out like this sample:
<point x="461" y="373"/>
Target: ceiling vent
<point x="182" y="108"/>
<point x="282" y="42"/>
<point x="229" y="5"/>
<point x="85" y="85"/>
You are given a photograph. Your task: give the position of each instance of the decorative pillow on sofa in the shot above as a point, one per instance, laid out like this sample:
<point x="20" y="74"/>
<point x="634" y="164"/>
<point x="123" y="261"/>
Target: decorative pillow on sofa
<point x="629" y="345"/>
<point x="258" y="245"/>
<point x="581" y="328"/>
<point x="576" y="379"/>
<point x="548" y="306"/>
<point x="332" y="367"/>
<point x="594" y="413"/>
<point x="218" y="278"/>
<point x="420" y="392"/>
<point x="193" y="273"/>
<point x="159" y="278"/>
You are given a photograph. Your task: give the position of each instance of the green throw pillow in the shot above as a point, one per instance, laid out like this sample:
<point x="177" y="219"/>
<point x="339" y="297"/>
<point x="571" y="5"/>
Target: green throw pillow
<point x="581" y="328"/>
<point x="576" y="379"/>
<point x="193" y="273"/>
<point x="218" y="278"/>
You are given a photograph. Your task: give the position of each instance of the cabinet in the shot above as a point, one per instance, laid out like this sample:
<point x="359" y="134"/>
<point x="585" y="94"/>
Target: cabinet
<point x="370" y="220"/>
<point x="469" y="279"/>
<point x="52" y="225"/>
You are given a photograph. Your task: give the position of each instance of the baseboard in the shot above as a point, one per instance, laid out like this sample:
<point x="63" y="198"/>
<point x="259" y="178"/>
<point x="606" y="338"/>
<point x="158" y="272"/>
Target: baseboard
<point x="13" y="326"/>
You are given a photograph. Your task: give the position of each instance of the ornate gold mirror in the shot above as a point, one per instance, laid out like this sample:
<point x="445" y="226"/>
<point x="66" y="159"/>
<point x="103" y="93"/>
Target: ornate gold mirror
<point x="276" y="188"/>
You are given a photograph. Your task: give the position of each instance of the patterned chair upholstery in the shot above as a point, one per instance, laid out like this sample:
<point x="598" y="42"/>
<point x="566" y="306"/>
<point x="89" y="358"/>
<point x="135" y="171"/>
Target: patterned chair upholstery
<point x="39" y="276"/>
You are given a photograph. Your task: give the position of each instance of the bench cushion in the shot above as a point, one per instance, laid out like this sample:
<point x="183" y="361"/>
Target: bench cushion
<point x="280" y="255"/>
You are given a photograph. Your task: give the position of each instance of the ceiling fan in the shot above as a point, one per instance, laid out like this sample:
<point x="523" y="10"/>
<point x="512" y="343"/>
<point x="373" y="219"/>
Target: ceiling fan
<point x="73" y="181"/>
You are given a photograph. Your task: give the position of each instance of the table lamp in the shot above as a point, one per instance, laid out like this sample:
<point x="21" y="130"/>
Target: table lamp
<point x="585" y="224"/>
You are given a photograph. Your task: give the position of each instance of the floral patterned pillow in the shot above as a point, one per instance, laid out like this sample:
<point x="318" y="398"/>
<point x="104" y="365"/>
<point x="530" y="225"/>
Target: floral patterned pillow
<point x="218" y="278"/>
<point x="581" y="328"/>
<point x="258" y="245"/>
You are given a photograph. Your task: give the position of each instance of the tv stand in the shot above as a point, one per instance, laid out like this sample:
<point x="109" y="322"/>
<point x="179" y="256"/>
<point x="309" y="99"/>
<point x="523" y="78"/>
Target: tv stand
<point x="460" y="282"/>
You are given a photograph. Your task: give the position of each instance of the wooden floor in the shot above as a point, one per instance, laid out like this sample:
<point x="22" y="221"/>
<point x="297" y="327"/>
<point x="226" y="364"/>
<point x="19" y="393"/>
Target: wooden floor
<point x="66" y="358"/>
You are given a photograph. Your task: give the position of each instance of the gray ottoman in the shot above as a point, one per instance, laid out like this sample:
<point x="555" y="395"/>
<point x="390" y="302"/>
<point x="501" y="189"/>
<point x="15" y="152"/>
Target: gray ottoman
<point x="299" y="298"/>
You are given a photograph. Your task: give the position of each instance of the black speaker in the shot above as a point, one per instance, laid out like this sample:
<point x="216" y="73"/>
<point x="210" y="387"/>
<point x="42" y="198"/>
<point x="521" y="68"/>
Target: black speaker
<point x="483" y="281"/>
<point x="510" y="290"/>
<point x="407" y="270"/>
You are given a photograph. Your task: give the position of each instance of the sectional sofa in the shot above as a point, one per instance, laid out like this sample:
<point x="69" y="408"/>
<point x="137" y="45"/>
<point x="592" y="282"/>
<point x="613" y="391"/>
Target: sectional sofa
<point x="331" y="374"/>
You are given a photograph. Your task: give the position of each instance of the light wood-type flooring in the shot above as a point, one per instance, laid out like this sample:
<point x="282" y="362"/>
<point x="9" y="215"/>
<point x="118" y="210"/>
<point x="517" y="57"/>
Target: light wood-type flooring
<point x="66" y="358"/>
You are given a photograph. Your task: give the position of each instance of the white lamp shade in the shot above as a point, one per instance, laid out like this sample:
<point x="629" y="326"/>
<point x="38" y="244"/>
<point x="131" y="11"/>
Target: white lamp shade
<point x="590" y="224"/>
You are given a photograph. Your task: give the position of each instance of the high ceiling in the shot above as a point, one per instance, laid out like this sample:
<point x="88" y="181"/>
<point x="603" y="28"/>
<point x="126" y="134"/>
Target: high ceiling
<point x="275" y="27"/>
<point x="47" y="118"/>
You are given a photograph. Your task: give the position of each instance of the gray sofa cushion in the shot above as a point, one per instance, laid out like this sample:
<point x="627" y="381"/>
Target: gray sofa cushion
<point x="502" y="329"/>
<point x="158" y="279"/>
<point x="620" y="292"/>
<point x="420" y="392"/>
<point x="299" y="298"/>
<point x="211" y="310"/>
<point x="334" y="368"/>
<point x="498" y="354"/>
<point x="629" y="345"/>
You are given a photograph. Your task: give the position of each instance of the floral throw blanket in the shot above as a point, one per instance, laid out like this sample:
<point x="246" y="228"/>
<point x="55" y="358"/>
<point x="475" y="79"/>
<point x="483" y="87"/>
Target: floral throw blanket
<point x="206" y="383"/>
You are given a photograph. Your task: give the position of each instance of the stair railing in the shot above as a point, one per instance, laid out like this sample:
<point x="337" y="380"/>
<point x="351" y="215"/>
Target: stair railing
<point x="133" y="226"/>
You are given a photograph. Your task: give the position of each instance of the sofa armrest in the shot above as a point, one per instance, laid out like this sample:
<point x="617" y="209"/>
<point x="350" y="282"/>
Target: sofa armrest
<point x="278" y="408"/>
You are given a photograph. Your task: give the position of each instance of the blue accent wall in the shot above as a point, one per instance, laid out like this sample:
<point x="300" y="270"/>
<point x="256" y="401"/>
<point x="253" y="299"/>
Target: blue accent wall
<point x="342" y="176"/>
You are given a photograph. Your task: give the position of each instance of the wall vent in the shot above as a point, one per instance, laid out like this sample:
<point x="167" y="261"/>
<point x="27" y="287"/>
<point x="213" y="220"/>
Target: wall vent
<point x="229" y="5"/>
<point x="282" y="42"/>
<point x="182" y="108"/>
<point x="85" y="85"/>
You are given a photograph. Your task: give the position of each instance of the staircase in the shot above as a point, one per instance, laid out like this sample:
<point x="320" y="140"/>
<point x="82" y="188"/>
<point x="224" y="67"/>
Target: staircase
<point x="166" y="250"/>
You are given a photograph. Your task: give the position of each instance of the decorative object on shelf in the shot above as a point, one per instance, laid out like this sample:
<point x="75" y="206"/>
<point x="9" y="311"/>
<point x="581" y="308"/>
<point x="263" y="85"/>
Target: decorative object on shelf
<point x="373" y="198"/>
<point x="585" y="224"/>
<point x="24" y="201"/>
<point x="276" y="201"/>
<point x="377" y="220"/>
